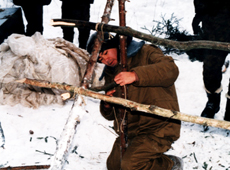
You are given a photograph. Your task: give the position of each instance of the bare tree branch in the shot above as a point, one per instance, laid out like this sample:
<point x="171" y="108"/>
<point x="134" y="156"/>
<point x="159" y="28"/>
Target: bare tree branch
<point x="29" y="167"/>
<point x="151" y="109"/>
<point x="186" y="45"/>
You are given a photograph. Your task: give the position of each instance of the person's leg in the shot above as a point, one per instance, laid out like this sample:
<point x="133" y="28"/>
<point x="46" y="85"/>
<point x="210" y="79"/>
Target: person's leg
<point x="34" y="17"/>
<point x="83" y="37"/>
<point x="212" y="76"/>
<point x="215" y="29"/>
<point x="227" y="109"/>
<point x="113" y="161"/>
<point x="84" y="33"/>
<point x="144" y="153"/>
<point x="67" y="13"/>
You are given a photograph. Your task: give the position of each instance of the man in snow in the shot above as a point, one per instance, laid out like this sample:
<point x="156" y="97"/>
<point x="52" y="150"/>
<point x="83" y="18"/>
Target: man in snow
<point x="150" y="80"/>
<point x="78" y="10"/>
<point x="215" y="18"/>
<point x="33" y="10"/>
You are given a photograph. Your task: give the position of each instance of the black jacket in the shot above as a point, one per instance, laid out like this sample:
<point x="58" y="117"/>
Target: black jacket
<point x="80" y="1"/>
<point x="33" y="2"/>
<point x="211" y="7"/>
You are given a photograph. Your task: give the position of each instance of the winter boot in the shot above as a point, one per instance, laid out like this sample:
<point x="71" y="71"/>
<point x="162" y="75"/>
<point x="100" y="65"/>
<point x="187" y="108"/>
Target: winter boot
<point x="212" y="106"/>
<point x="227" y="109"/>
<point x="178" y="162"/>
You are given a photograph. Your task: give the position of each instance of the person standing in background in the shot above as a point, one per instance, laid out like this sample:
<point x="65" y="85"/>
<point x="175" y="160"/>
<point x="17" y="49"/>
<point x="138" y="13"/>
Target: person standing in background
<point x="77" y="10"/>
<point x="33" y="10"/>
<point x="215" y="18"/>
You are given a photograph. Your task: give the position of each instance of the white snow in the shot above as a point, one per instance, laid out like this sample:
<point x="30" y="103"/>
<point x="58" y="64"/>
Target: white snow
<point x="94" y="136"/>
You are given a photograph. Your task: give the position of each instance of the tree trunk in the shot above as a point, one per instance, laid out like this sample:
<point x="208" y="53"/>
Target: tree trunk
<point x="151" y="109"/>
<point x="186" y="45"/>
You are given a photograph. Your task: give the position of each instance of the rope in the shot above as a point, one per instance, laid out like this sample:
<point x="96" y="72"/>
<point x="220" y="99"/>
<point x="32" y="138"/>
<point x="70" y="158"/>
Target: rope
<point x="96" y="28"/>
<point x="123" y="119"/>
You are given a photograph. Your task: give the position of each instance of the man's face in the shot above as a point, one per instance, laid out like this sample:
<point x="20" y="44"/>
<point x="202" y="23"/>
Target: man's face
<point x="109" y="57"/>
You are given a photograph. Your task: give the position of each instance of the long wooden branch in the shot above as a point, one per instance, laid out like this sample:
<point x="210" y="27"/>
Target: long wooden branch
<point x="123" y="132"/>
<point x="29" y="167"/>
<point x="181" y="45"/>
<point x="151" y="109"/>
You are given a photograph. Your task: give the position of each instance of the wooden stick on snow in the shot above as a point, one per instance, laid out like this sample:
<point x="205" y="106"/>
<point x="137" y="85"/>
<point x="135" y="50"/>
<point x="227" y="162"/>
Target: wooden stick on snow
<point x="151" y="109"/>
<point x="29" y="167"/>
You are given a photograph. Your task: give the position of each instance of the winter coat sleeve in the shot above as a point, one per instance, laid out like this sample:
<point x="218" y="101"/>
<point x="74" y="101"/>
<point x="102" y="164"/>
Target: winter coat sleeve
<point x="29" y="2"/>
<point x="195" y="24"/>
<point x="159" y="70"/>
<point x="107" y="113"/>
<point x="80" y="1"/>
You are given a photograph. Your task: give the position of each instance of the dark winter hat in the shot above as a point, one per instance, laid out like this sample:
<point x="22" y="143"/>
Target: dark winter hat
<point x="109" y="42"/>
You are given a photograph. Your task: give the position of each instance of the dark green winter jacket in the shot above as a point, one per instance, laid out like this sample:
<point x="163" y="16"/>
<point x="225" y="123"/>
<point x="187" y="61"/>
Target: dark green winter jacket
<point x="157" y="74"/>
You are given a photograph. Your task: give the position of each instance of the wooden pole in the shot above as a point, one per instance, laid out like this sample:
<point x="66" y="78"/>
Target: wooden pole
<point x="180" y="45"/>
<point x="151" y="109"/>
<point x="29" y="167"/>
<point x="123" y="132"/>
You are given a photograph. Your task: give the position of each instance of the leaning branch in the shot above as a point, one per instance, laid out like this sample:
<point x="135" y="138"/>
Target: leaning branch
<point x="182" y="45"/>
<point x="151" y="109"/>
<point x="97" y="46"/>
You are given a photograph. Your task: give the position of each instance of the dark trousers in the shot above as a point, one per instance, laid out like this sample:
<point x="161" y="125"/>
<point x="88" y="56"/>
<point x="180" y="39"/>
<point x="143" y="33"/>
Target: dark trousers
<point x="143" y="153"/>
<point x="216" y="28"/>
<point x="212" y="69"/>
<point x="34" y="17"/>
<point x="76" y="12"/>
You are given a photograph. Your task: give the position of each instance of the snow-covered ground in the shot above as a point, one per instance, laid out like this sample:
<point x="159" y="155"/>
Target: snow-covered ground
<point x="94" y="136"/>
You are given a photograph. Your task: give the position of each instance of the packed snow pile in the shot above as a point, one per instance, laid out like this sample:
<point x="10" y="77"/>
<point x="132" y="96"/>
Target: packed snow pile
<point x="35" y="57"/>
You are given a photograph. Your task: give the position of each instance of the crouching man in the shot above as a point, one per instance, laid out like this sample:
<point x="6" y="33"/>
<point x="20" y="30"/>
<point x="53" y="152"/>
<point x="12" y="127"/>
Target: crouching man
<point x="150" y="80"/>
